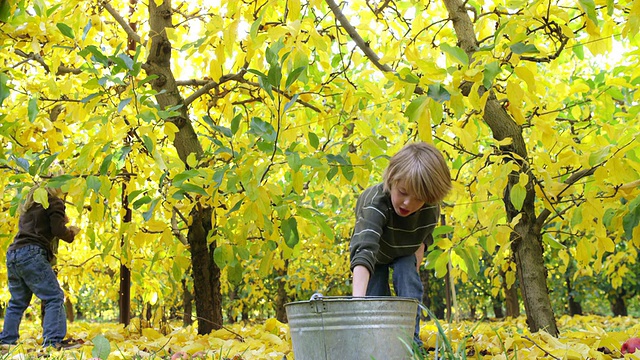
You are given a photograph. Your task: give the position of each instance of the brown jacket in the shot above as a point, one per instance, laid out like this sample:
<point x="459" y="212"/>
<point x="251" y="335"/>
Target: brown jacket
<point x="39" y="226"/>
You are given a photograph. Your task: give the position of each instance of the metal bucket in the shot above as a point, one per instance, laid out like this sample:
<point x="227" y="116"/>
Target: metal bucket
<point x="352" y="328"/>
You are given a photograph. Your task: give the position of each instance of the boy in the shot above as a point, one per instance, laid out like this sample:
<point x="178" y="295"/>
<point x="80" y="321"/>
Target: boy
<point x="29" y="269"/>
<point x="394" y="221"/>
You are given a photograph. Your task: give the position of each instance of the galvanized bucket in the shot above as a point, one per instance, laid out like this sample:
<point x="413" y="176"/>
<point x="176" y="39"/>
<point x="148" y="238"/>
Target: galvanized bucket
<point x="352" y="328"/>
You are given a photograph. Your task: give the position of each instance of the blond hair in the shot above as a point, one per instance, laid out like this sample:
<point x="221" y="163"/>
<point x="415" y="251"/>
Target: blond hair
<point x="423" y="170"/>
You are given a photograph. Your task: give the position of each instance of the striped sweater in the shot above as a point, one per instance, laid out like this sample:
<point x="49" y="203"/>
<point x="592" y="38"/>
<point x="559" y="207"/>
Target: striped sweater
<point x="380" y="235"/>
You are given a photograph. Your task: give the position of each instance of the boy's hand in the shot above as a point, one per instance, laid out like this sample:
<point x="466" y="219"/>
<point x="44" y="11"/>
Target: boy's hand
<point x="74" y="229"/>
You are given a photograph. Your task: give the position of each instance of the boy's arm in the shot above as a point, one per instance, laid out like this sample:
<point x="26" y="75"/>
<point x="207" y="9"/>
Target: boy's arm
<point x="360" y="280"/>
<point x="419" y="256"/>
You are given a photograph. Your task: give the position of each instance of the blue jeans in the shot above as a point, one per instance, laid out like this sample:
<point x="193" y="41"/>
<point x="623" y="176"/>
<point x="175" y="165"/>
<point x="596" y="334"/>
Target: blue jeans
<point x="406" y="283"/>
<point x="29" y="273"/>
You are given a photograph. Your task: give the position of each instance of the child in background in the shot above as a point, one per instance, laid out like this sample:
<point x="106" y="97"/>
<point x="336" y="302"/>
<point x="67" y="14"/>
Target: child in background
<point x="395" y="221"/>
<point x="29" y="269"/>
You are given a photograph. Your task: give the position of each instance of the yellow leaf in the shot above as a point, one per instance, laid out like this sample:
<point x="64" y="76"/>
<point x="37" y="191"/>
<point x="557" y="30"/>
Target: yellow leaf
<point x="152" y="334"/>
<point x="41" y="196"/>
<point x="191" y="160"/>
<point x="526" y="75"/>
<point x="515" y="93"/>
<point x="270" y="324"/>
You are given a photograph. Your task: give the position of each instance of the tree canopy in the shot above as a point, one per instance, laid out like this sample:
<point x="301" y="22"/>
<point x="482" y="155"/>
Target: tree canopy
<point x="238" y="134"/>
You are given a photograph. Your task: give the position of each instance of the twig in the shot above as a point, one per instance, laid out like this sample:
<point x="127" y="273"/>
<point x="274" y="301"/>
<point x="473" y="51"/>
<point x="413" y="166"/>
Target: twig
<point x="238" y="336"/>
<point x="540" y="347"/>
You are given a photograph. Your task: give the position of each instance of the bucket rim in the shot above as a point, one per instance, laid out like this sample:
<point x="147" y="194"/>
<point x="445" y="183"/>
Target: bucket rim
<point x="354" y="298"/>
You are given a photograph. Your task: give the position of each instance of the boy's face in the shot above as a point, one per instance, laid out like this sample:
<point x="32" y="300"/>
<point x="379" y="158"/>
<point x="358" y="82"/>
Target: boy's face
<point x="404" y="203"/>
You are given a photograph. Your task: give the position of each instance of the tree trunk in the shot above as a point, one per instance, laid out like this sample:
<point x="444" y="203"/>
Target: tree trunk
<point x="187" y="305"/>
<point x="618" y="305"/>
<point x="281" y="299"/>
<point x="498" y="312"/>
<point x="206" y="274"/>
<point x="575" y="308"/>
<point x="511" y="301"/>
<point x="433" y="295"/>
<point x="526" y="238"/>
<point x="124" y="295"/>
<point x="510" y="297"/>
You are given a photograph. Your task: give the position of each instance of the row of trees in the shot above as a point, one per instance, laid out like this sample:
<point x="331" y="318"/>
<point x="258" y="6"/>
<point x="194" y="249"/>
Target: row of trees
<point x="217" y="149"/>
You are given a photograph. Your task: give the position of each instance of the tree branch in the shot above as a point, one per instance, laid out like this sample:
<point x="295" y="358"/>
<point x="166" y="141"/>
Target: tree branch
<point x="355" y="36"/>
<point x="36" y="57"/>
<point x="570" y="181"/>
<point x="213" y="84"/>
<point x="123" y="23"/>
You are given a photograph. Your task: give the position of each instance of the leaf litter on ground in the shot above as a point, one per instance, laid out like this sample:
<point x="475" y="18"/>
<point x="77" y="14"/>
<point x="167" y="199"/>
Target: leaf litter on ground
<point x="581" y="337"/>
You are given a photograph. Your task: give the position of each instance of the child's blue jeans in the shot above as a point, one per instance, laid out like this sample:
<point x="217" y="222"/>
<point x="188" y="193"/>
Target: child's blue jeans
<point x="29" y="273"/>
<point x="406" y="283"/>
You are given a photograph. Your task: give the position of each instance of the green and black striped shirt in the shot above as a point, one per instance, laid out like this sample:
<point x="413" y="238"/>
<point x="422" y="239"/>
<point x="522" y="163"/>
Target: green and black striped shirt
<point x="380" y="235"/>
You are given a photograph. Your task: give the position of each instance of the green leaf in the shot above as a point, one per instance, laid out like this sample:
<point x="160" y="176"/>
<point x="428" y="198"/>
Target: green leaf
<point x="59" y="181"/>
<point x="86" y="29"/>
<point x="66" y="30"/>
<point x="93" y="183"/>
<point x="313" y="140"/>
<point x="263" y="129"/>
<point x="632" y="219"/>
<point x="413" y="110"/>
<point x="293" y="159"/>
<point x="223" y="255"/>
<point x="579" y="51"/>
<point x="274" y="76"/>
<point x="193" y="189"/>
<point x="143" y="200"/>
<point x="101" y="347"/>
<point x="293" y="76"/>
<point x="123" y="103"/>
<point x="147" y="214"/>
<point x="291" y="102"/>
<point x="456" y="52"/>
<point x="599" y="156"/>
<point x="4" y="89"/>
<point x="521" y="48"/>
<point x="438" y="93"/>
<point x="23" y="163"/>
<point x="518" y="194"/>
<point x="490" y="72"/>
<point x="148" y="143"/>
<point x="47" y="162"/>
<point x="234" y="274"/>
<point x="32" y="109"/>
<point x="5" y="13"/>
<point x="289" y="228"/>
<point x="235" y="123"/>
<point x="552" y="242"/>
<point x="589" y="7"/>
<point x="470" y="259"/>
<point x="439" y="230"/>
